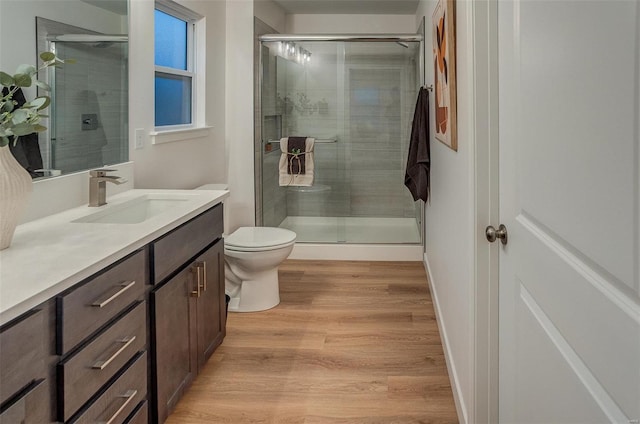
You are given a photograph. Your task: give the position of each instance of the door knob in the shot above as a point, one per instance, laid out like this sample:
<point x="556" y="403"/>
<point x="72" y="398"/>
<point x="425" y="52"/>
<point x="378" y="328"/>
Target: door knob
<point x="493" y="234"/>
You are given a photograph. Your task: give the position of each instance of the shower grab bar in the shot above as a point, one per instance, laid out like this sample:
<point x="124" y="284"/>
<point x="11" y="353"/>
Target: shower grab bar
<point x="318" y="140"/>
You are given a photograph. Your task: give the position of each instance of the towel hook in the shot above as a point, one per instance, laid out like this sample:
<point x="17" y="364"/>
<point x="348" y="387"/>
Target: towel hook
<point x="429" y="87"/>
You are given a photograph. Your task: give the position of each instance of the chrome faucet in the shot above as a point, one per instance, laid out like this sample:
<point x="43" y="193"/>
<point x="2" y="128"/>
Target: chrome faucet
<point x="98" y="187"/>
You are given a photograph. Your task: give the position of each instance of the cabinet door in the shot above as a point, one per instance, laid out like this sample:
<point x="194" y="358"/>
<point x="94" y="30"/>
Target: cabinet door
<point x="209" y="268"/>
<point x="175" y="340"/>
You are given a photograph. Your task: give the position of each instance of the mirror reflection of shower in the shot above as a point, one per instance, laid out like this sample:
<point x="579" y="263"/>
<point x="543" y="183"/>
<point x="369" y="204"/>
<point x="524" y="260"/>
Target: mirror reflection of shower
<point x="88" y="123"/>
<point x="89" y="114"/>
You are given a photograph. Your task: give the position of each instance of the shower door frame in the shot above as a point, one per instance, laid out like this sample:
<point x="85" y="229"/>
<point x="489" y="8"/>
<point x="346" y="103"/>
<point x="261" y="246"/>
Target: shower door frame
<point x="264" y="33"/>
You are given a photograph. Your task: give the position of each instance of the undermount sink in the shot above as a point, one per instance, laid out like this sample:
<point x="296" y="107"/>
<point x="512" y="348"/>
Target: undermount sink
<point x="135" y="210"/>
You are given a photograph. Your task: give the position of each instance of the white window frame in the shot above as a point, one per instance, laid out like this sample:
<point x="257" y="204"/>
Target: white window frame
<point x="195" y="70"/>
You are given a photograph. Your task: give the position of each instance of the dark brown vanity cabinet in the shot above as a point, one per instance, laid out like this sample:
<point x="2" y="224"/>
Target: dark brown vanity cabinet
<point x="102" y="343"/>
<point x="80" y="356"/>
<point x="84" y="356"/>
<point x="188" y="308"/>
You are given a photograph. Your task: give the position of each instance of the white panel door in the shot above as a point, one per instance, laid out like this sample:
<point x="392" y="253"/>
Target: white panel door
<point x="570" y="198"/>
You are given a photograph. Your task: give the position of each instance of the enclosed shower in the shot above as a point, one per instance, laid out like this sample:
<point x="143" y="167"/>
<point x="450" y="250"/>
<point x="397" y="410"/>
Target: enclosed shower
<point x="356" y="97"/>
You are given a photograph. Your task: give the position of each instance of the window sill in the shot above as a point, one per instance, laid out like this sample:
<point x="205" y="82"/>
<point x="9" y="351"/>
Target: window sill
<point x="169" y="136"/>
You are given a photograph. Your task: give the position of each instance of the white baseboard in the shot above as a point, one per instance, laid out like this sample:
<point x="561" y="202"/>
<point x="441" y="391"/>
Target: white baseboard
<point x="458" y="397"/>
<point x="356" y="252"/>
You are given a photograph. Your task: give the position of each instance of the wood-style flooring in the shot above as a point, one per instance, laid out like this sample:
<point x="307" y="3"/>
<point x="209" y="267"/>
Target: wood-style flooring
<point x="350" y="342"/>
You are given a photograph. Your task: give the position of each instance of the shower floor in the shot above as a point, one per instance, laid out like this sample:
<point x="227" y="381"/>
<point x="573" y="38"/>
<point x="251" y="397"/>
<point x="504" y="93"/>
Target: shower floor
<point x="355" y="230"/>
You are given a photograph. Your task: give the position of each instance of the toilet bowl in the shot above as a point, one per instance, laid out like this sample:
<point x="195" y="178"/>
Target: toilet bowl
<point x="252" y="256"/>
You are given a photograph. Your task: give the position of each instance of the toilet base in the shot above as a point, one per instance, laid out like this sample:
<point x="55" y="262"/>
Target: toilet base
<point x="260" y="293"/>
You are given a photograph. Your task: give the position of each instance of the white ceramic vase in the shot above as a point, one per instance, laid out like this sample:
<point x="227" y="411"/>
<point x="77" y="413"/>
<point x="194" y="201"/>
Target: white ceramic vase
<point x="15" y="187"/>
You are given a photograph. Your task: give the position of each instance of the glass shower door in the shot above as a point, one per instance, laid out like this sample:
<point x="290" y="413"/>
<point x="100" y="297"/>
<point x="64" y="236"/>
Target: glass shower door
<point x="380" y="89"/>
<point x="356" y="99"/>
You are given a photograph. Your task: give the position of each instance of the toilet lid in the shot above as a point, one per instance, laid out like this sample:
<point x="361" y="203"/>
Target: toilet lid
<point x="253" y="238"/>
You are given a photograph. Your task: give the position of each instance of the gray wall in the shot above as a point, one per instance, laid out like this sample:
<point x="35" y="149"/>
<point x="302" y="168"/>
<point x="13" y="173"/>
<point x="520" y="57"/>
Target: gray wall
<point x="364" y="100"/>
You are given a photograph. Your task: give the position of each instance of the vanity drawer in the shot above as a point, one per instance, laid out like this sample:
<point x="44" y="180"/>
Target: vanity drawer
<point x="121" y="398"/>
<point x="30" y="407"/>
<point x="22" y="353"/>
<point x="90" y="306"/>
<point x="140" y="415"/>
<point x="179" y="246"/>
<point x="82" y="374"/>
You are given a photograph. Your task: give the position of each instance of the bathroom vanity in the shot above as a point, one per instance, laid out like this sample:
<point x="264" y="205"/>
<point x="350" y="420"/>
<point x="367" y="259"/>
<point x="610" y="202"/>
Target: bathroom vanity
<point x="107" y="314"/>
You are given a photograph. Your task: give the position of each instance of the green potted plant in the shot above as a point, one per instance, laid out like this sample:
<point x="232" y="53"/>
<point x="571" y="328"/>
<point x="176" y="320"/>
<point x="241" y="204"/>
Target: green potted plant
<point x="18" y="120"/>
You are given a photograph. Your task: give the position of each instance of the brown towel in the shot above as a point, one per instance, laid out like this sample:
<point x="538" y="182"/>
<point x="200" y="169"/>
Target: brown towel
<point x="419" y="162"/>
<point x="296" y="148"/>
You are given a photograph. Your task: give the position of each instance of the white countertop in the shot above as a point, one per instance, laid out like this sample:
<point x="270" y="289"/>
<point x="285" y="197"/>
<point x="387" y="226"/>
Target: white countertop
<point x="51" y="254"/>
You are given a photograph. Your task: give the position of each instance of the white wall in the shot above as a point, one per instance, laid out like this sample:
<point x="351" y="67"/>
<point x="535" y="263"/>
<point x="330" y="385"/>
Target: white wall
<point x="240" y="206"/>
<point x="271" y="14"/>
<point x="449" y="219"/>
<point x="350" y="24"/>
<point x="189" y="163"/>
<point x="226" y="155"/>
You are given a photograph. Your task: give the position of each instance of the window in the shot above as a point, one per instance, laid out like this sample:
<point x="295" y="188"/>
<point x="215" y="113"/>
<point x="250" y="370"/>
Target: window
<point x="175" y="77"/>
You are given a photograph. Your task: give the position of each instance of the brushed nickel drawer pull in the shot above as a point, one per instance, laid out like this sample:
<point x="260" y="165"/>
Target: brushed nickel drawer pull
<point x="100" y="365"/>
<point x="196" y="269"/>
<point x="128" y="396"/>
<point x="203" y="266"/>
<point x="125" y="286"/>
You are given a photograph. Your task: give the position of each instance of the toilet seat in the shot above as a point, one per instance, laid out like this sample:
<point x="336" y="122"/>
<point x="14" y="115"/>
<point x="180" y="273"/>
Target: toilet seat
<point x="253" y="239"/>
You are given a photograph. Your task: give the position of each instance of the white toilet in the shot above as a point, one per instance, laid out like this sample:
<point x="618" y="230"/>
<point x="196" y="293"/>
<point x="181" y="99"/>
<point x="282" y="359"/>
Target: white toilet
<point x="252" y="256"/>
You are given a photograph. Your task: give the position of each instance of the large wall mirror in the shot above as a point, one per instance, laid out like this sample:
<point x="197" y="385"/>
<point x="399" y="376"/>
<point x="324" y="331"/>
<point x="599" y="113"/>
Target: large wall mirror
<point x="87" y="125"/>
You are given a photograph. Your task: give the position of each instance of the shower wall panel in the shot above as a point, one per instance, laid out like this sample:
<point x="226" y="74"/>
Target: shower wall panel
<point x="378" y="92"/>
<point x="365" y="102"/>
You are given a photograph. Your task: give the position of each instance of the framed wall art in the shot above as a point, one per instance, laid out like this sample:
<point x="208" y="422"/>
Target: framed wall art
<point x="444" y="61"/>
